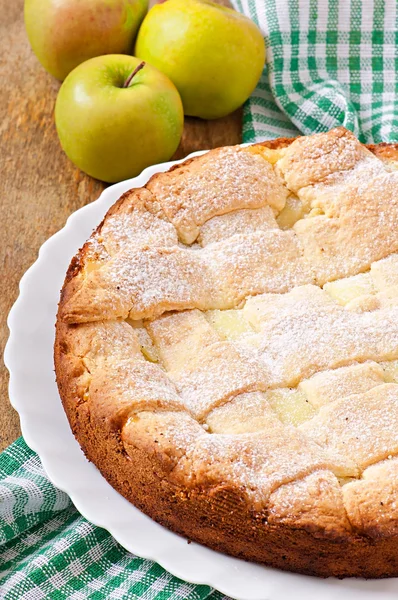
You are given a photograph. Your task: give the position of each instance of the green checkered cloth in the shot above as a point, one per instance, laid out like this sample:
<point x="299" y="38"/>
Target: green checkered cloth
<point x="329" y="63"/>
<point x="48" y="550"/>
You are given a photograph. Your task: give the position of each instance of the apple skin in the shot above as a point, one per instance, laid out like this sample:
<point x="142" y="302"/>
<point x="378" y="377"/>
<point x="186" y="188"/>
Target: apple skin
<point x="65" y="33"/>
<point x="213" y="54"/>
<point x="113" y="133"/>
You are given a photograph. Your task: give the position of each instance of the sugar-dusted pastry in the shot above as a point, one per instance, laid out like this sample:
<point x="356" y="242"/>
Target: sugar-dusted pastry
<point x="227" y="352"/>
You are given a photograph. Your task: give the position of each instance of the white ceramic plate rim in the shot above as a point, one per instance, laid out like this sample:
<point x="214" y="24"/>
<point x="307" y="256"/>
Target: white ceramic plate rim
<point x="33" y="393"/>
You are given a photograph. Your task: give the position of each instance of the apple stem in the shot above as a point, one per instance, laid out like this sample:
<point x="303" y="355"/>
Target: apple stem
<point x="130" y="77"/>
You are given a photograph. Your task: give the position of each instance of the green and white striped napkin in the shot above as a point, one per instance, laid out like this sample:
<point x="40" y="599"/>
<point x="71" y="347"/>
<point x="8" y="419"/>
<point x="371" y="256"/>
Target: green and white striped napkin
<point x="48" y="550"/>
<point x="329" y="63"/>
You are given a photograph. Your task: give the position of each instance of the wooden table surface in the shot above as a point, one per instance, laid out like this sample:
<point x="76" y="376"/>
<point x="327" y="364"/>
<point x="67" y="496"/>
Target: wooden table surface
<point x="39" y="187"/>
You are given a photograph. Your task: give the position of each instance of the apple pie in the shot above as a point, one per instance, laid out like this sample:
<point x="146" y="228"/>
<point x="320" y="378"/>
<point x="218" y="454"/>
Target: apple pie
<point x="227" y="352"/>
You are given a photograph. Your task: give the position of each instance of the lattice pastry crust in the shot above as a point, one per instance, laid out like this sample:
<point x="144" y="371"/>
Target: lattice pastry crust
<point x="227" y="352"/>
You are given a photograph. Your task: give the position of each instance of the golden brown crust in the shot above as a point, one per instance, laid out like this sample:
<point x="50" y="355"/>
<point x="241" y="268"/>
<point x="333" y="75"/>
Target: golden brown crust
<point x="303" y="526"/>
<point x="220" y="518"/>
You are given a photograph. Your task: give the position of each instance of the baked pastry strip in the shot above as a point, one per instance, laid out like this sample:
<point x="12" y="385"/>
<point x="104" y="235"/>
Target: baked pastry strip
<point x="365" y="425"/>
<point x="371" y="501"/>
<point x="216" y="183"/>
<point x="115" y="378"/>
<point x="206" y="371"/>
<point x="145" y="282"/>
<point x="305" y="331"/>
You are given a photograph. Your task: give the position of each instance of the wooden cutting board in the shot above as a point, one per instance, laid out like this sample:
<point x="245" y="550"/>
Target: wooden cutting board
<point x="39" y="187"/>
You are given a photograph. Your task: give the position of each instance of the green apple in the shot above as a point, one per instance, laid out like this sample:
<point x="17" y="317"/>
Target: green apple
<point x="213" y="54"/>
<point x="65" y="33"/>
<point x="116" y="115"/>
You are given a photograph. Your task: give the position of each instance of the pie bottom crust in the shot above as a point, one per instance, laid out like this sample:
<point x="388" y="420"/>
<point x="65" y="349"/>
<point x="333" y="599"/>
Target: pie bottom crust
<point x="221" y="517"/>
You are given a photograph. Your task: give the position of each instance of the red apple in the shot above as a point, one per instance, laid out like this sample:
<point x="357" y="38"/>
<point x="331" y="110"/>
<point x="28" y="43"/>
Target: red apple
<point x="65" y="33"/>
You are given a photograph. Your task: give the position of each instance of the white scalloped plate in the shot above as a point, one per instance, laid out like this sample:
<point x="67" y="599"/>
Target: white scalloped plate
<point x="33" y="393"/>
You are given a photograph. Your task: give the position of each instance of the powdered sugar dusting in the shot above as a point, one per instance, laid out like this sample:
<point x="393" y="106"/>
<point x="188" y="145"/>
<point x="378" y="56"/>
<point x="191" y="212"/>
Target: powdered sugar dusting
<point x="298" y="329"/>
<point x="259" y="463"/>
<point x="138" y="229"/>
<point x="363" y="425"/>
<point x="304" y="331"/>
<point x="226" y="180"/>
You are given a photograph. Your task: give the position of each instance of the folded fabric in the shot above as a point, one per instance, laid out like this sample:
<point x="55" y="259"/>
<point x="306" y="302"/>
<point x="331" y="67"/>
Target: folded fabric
<point x="329" y="63"/>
